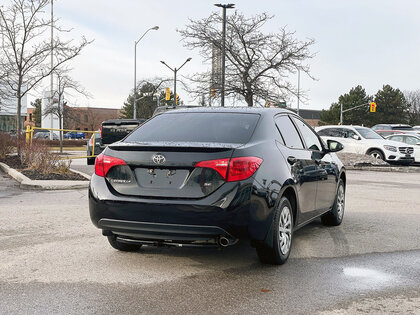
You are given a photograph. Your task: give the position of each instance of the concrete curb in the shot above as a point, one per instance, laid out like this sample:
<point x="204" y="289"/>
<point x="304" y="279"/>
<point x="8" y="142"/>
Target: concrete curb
<point x="28" y="183"/>
<point x="394" y="169"/>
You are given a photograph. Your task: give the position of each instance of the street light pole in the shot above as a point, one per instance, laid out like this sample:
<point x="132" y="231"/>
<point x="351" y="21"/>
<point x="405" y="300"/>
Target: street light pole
<point x="155" y="28"/>
<point x="298" y="96"/>
<point x="224" y="6"/>
<point x="175" y="70"/>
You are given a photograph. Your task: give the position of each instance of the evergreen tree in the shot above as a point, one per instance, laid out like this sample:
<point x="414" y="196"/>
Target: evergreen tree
<point x="146" y="102"/>
<point x="37" y="114"/>
<point x="391" y="107"/>
<point x="360" y="116"/>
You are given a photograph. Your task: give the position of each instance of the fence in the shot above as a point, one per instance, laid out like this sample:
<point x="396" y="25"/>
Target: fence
<point x="30" y="137"/>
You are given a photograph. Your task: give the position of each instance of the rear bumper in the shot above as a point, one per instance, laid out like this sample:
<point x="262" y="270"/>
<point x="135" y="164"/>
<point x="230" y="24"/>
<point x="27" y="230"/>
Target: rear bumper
<point x="233" y="212"/>
<point x="159" y="232"/>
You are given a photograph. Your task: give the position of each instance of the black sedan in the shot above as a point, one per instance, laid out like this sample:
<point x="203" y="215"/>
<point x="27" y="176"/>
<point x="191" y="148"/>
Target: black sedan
<point x="209" y="177"/>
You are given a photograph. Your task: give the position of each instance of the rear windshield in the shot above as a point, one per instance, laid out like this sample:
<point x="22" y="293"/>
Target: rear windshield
<point x="197" y="127"/>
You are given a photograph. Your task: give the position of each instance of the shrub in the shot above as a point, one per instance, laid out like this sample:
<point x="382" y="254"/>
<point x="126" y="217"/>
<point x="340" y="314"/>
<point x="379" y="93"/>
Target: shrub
<point x="6" y="144"/>
<point x="38" y="157"/>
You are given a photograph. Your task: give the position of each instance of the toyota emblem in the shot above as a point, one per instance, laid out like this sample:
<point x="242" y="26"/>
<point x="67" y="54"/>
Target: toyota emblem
<point x="158" y="159"/>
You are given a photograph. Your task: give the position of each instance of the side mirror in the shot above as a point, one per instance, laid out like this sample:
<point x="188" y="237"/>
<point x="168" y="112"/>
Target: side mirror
<point x="334" y="146"/>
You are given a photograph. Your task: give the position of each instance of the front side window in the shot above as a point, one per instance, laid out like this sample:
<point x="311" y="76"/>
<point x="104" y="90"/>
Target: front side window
<point x="368" y="133"/>
<point x="412" y="140"/>
<point x="289" y="133"/>
<point x="348" y="133"/>
<point x="310" y="138"/>
<point x="397" y="138"/>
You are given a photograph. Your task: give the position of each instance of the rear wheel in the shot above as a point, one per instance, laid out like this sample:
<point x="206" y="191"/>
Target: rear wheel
<point x="334" y="217"/>
<point x="122" y="246"/>
<point x="377" y="154"/>
<point x="282" y="236"/>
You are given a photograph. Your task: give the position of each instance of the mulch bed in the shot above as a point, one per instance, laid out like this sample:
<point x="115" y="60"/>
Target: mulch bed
<point x="14" y="162"/>
<point x="36" y="175"/>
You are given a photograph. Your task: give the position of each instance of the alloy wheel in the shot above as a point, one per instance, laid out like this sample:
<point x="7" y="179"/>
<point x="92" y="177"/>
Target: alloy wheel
<point x="340" y="202"/>
<point x="285" y="230"/>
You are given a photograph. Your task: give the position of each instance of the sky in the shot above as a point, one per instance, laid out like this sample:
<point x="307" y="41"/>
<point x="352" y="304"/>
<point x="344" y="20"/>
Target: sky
<point x="366" y="42"/>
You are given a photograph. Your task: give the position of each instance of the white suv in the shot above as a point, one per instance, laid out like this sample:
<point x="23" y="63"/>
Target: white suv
<point x="362" y="140"/>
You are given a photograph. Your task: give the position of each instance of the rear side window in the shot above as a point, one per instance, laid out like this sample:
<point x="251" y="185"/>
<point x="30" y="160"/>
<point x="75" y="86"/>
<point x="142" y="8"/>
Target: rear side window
<point x="331" y="132"/>
<point x="288" y="131"/>
<point x="311" y="139"/>
<point x="197" y="127"/>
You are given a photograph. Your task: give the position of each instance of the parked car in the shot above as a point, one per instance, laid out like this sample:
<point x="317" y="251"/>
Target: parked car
<point x="44" y="135"/>
<point x="113" y="130"/>
<point x="402" y="127"/>
<point x="208" y="177"/>
<point x="410" y="139"/>
<point x="386" y="133"/>
<point x="362" y="140"/>
<point x="93" y="149"/>
<point x="74" y="135"/>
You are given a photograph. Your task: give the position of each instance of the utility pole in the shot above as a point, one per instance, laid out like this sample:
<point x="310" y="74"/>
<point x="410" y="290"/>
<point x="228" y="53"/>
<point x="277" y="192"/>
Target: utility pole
<point x="175" y="70"/>
<point x="155" y="28"/>
<point x="52" y="65"/>
<point x="222" y="91"/>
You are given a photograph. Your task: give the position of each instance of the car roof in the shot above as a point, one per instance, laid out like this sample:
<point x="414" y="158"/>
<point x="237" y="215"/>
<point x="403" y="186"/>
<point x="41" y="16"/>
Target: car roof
<point x="341" y="126"/>
<point x="242" y="110"/>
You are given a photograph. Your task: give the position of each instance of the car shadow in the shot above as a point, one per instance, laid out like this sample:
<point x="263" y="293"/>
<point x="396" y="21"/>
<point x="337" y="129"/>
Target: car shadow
<point x="242" y="253"/>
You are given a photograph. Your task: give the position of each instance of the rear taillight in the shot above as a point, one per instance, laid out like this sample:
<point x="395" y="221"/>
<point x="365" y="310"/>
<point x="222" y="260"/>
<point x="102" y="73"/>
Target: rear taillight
<point x="104" y="163"/>
<point x="243" y="167"/>
<point x="219" y="166"/>
<point x="235" y="169"/>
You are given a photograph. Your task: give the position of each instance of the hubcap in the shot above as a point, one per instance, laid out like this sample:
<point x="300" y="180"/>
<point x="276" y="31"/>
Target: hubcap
<point x="376" y="155"/>
<point x="285" y="230"/>
<point x="340" y="202"/>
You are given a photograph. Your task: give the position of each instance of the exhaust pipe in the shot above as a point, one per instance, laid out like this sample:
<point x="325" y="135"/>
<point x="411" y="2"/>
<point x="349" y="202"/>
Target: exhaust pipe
<point x="223" y="241"/>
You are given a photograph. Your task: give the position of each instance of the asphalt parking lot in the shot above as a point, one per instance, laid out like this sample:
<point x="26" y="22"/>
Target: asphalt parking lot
<point x="53" y="260"/>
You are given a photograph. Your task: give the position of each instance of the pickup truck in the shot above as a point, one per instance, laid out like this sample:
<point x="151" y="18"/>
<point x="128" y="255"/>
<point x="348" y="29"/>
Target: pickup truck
<point x="113" y="130"/>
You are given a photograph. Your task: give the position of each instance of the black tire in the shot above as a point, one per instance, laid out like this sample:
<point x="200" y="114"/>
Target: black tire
<point x="277" y="255"/>
<point x="122" y="246"/>
<point x="90" y="161"/>
<point x="377" y="154"/>
<point x="335" y="216"/>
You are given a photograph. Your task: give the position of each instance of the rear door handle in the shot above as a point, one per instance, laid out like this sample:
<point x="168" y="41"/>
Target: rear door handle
<point x="291" y="160"/>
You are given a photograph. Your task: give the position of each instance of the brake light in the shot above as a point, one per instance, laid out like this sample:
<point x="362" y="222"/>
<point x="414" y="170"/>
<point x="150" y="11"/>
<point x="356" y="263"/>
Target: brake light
<point x="219" y="166"/>
<point x="241" y="168"/>
<point x="103" y="164"/>
<point x="235" y="169"/>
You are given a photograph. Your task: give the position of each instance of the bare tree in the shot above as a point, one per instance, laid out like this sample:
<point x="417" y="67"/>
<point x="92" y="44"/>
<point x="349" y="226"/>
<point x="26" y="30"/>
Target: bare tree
<point x="413" y="99"/>
<point x="25" y="50"/>
<point x="64" y="91"/>
<point x="257" y="64"/>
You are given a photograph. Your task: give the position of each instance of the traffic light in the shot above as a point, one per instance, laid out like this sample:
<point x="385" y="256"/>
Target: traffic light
<point x="213" y="93"/>
<point x="167" y="94"/>
<point x="267" y="104"/>
<point x="373" y="107"/>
